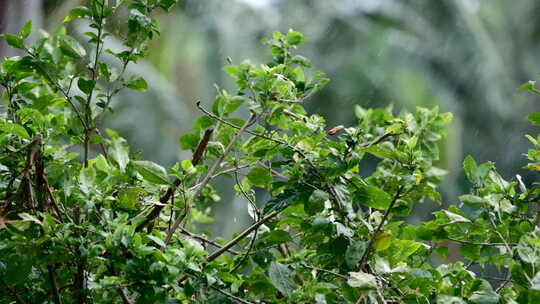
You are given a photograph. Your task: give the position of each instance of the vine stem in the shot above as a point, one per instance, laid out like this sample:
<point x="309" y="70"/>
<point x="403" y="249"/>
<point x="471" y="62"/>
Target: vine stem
<point x="210" y="173"/>
<point x="380" y="226"/>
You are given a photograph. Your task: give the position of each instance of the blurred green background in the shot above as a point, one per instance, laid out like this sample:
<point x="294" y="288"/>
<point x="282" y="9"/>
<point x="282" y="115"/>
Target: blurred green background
<point x="465" y="56"/>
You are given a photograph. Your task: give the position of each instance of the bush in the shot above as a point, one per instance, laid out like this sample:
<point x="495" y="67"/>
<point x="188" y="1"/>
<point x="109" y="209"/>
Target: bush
<point x="107" y="227"/>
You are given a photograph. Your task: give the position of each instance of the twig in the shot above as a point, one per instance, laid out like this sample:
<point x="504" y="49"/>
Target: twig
<point x="124" y="297"/>
<point x="319" y="174"/>
<point x="230" y="170"/>
<point x="379" y="227"/>
<point x="345" y="278"/>
<point x="206" y="240"/>
<point x="242" y="235"/>
<point x="230" y="295"/>
<point x="480" y="243"/>
<point x="378" y="140"/>
<point x="196" y="159"/>
<point x="210" y="173"/>
<point x="256" y="218"/>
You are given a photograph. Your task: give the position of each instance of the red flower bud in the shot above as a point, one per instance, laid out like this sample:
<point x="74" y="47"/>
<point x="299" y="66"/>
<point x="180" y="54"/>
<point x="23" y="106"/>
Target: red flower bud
<point x="335" y="130"/>
<point x="287" y="112"/>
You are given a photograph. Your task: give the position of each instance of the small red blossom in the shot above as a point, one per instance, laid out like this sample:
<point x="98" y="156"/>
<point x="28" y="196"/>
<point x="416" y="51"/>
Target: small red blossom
<point x="335" y="130"/>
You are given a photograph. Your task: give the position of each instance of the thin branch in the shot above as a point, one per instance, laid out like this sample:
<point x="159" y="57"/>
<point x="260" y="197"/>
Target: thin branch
<point x="256" y="218"/>
<point x="319" y="174"/>
<point x="378" y="140"/>
<point x="480" y="243"/>
<point x="345" y="278"/>
<point x="230" y="295"/>
<point x="206" y="240"/>
<point x="241" y="236"/>
<point x="226" y="171"/>
<point x="196" y="159"/>
<point x="210" y="173"/>
<point x="379" y="227"/>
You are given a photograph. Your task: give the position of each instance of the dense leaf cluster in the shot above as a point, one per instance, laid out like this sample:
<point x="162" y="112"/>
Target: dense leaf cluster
<point x="84" y="220"/>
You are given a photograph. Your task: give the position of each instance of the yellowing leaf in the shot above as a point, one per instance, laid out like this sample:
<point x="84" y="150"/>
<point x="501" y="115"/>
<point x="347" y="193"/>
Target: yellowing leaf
<point x="535" y="166"/>
<point x="382" y="241"/>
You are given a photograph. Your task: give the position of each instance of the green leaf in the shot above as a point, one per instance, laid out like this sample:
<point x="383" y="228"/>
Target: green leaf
<point x="78" y="12"/>
<point x="456" y="218"/>
<point x="294" y="38"/>
<point x="535" y="283"/>
<point x="29" y="218"/>
<point x="281" y="278"/>
<point x="72" y="47"/>
<point x="471" y="200"/>
<point x="189" y="141"/>
<point x="529" y="86"/>
<point x="86" y="85"/>
<point x="450" y="299"/>
<point x="383" y="240"/>
<point x="118" y="149"/>
<point x="26" y="30"/>
<point x="301" y="60"/>
<point x="315" y="203"/>
<point x="15" y="129"/>
<point x="528" y="248"/>
<point x="137" y="84"/>
<point x="470" y="167"/>
<point x="167" y="4"/>
<point x="157" y="240"/>
<point x="534" y="118"/>
<point x="362" y="280"/>
<point x="87" y="178"/>
<point x="259" y="177"/>
<point x="188" y="166"/>
<point x="14" y="41"/>
<point x="354" y="252"/>
<point x="276" y="237"/>
<point x="128" y="198"/>
<point x="281" y="201"/>
<point x="232" y="70"/>
<point x="373" y="197"/>
<point x="151" y="172"/>
<point x="485" y="295"/>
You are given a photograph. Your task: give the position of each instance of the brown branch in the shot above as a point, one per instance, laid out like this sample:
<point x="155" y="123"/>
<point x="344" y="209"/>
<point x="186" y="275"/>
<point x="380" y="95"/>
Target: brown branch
<point x="54" y="285"/>
<point x="241" y="236"/>
<point x="124" y="297"/>
<point x="196" y="159"/>
<point x="231" y="243"/>
<point x="206" y="240"/>
<point x="230" y="295"/>
<point x="378" y="140"/>
<point x="210" y="173"/>
<point x="345" y="278"/>
<point x="379" y="227"/>
<point x="480" y="243"/>
<point x="319" y="174"/>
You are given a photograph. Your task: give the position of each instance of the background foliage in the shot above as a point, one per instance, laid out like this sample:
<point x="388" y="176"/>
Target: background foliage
<point x="319" y="213"/>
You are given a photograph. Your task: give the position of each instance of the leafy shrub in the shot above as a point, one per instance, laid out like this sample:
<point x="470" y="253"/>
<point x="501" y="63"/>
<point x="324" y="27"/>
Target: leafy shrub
<point x="102" y="226"/>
